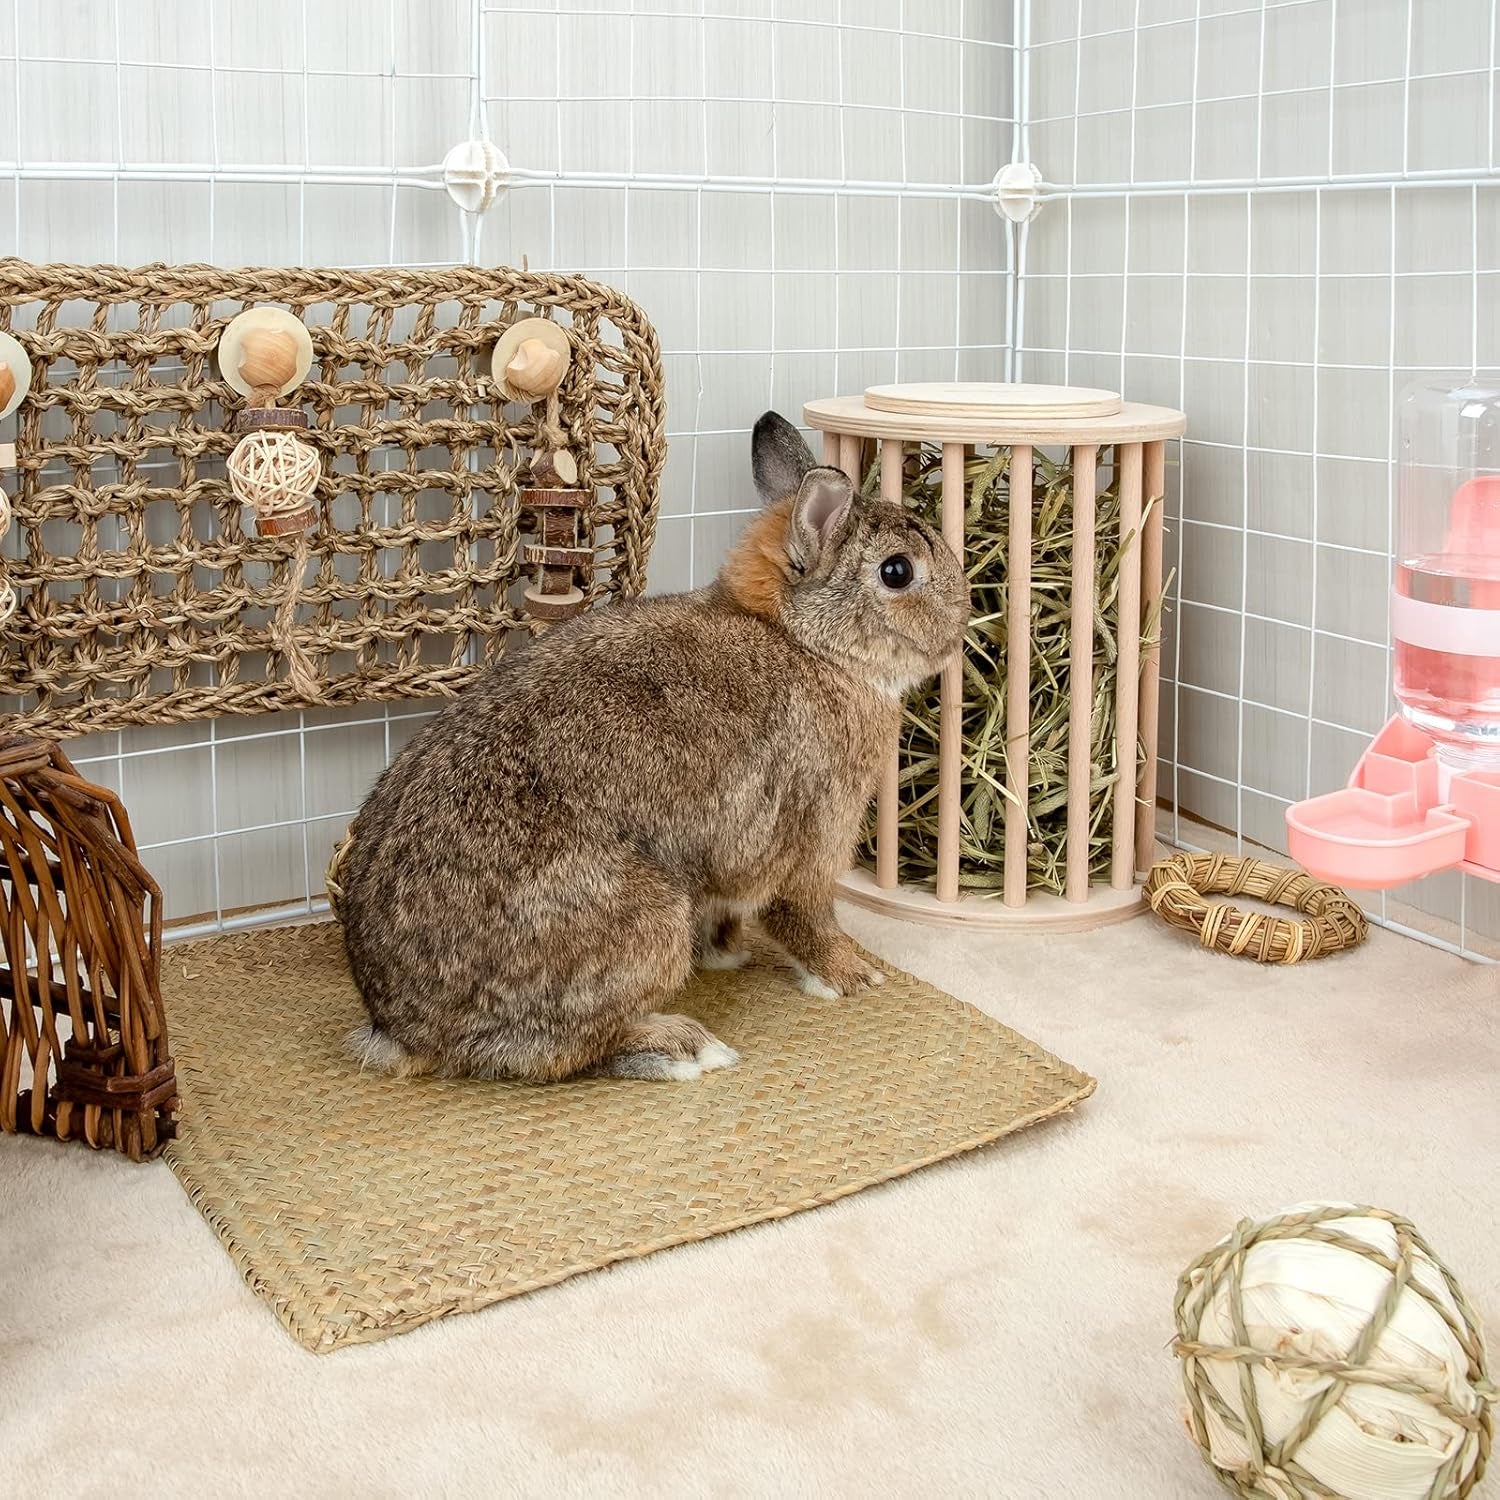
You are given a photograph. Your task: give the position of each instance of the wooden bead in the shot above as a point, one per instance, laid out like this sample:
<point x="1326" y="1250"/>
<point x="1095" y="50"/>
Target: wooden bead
<point x="15" y="373"/>
<point x="535" y="370"/>
<point x="268" y="358"/>
<point x="530" y="360"/>
<point x="265" y="352"/>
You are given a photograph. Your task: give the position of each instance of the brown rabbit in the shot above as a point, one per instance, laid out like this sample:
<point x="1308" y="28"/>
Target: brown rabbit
<point x="532" y="879"/>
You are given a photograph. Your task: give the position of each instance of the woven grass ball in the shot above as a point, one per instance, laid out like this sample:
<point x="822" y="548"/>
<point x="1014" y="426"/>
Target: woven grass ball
<point x="1328" y="1352"/>
<point x="277" y="474"/>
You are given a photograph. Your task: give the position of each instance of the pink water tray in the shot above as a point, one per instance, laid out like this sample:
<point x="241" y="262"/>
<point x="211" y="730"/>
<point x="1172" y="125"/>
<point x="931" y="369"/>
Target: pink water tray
<point x="1396" y="820"/>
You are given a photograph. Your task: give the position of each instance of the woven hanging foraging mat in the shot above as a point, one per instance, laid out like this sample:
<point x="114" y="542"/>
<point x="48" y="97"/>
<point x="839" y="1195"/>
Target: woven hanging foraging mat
<point x="361" y="1206"/>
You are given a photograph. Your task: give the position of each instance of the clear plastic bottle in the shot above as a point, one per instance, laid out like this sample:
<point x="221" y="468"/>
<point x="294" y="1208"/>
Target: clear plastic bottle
<point x="1445" y="605"/>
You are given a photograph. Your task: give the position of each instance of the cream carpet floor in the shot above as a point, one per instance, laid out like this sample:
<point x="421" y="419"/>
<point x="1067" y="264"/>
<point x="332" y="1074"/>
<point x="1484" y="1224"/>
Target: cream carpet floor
<point x="994" y="1326"/>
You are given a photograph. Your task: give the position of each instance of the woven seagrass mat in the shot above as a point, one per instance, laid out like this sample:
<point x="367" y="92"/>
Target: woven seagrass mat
<point x="360" y="1206"/>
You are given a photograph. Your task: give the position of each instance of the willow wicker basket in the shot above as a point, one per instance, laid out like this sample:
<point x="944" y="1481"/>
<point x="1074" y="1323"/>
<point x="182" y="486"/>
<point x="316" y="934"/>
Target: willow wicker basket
<point x="83" y="1040"/>
<point x="1106" y="441"/>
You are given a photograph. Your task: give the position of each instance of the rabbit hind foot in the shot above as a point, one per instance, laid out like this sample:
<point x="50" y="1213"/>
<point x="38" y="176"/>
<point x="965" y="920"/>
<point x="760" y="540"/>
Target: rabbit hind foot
<point x="666" y="1047"/>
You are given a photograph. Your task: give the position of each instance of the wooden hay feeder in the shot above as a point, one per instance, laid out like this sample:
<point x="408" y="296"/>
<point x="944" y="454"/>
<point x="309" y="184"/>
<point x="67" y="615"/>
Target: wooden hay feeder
<point x="1108" y="444"/>
<point x="83" y="1041"/>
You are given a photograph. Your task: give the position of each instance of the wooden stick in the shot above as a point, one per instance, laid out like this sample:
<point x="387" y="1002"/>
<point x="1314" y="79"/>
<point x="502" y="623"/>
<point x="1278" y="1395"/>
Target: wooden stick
<point x="951" y="695"/>
<point x="1151" y="575"/>
<point x="888" y="795"/>
<point x="849" y="456"/>
<point x="1127" y="667"/>
<point x="1081" y="671"/>
<point x="831" y="450"/>
<point x="1018" y="676"/>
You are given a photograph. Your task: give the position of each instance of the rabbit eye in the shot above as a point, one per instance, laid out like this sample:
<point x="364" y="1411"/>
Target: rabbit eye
<point x="896" y="572"/>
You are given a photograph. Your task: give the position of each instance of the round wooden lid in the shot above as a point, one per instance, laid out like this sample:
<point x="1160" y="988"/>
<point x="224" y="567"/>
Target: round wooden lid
<point x="853" y="416"/>
<point x="15" y="374"/>
<point x="996" y="400"/>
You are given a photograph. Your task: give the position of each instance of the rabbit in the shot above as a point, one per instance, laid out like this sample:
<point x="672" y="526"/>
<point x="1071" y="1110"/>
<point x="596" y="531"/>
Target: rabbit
<point x="534" y="877"/>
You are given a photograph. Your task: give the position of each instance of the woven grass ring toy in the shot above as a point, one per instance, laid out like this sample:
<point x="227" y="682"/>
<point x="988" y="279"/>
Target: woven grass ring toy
<point x="1330" y="920"/>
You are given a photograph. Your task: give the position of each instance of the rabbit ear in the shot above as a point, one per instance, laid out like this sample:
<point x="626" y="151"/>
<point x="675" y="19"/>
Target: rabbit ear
<point x="819" y="515"/>
<point x="778" y="458"/>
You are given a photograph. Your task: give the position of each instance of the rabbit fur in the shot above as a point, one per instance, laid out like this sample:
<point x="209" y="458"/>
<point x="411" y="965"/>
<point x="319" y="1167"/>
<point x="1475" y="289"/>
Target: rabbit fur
<point x="533" y="878"/>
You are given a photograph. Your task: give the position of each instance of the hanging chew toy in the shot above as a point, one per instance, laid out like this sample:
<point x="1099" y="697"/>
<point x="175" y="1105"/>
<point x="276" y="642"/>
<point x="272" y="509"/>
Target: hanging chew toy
<point x="529" y="364"/>
<point x="15" y="382"/>
<point x="265" y="353"/>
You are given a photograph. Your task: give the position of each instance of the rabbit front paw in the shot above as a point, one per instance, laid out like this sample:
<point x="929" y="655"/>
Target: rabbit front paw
<point x="838" y="976"/>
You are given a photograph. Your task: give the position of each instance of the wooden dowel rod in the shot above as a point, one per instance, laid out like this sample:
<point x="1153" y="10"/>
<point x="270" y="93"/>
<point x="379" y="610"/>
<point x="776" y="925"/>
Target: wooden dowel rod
<point x="1018" y="675"/>
<point x="831" y="450"/>
<point x="1127" y="667"/>
<point x="849" y="457"/>
<point x="951" y="695"/>
<point x="1154" y="481"/>
<point x="1081" y="671"/>
<point x="888" y="794"/>
<point x="890" y="470"/>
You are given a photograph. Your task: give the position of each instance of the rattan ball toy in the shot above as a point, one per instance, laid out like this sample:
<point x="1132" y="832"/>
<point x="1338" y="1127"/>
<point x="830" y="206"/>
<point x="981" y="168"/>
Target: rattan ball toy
<point x="275" y="473"/>
<point x="1328" y="1352"/>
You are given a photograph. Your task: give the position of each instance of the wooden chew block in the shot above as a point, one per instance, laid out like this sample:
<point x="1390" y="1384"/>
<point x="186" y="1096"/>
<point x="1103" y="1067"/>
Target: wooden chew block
<point x="1154" y="483"/>
<point x="271" y="419"/>
<point x="563" y="500"/>
<point x="550" y="556"/>
<point x="286" y="524"/>
<point x="554" y="470"/>
<point x="1127" y="671"/>
<point x="951" y="694"/>
<point x="1081" y="671"/>
<point x="1018" y="676"/>
<point x="553" y="606"/>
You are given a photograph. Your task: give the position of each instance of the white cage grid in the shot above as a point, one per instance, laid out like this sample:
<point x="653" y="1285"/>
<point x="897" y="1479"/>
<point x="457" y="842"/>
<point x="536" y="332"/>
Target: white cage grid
<point x="831" y="188"/>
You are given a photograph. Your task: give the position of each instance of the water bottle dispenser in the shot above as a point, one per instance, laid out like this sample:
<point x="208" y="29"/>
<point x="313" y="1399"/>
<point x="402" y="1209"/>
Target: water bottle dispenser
<point x="1425" y="796"/>
<point x="1445" y="599"/>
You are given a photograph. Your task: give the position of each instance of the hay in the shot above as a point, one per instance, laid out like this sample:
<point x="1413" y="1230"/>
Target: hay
<point x="985" y="764"/>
